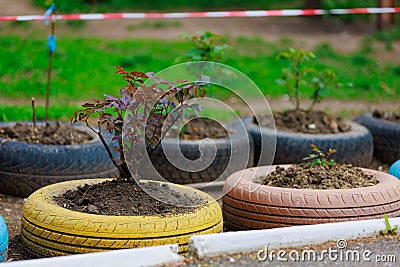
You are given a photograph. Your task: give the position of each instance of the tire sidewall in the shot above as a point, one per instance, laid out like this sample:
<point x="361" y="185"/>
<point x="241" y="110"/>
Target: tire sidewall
<point x="367" y="117"/>
<point x="353" y="147"/>
<point x="386" y="137"/>
<point x="50" y="230"/>
<point x="25" y="168"/>
<point x="235" y="144"/>
<point x="250" y="206"/>
<point x="43" y="198"/>
<point x="43" y="156"/>
<point x="389" y="185"/>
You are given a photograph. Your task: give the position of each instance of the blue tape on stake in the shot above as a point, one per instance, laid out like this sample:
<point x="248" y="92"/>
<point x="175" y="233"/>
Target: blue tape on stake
<point x="48" y="13"/>
<point x="52" y="43"/>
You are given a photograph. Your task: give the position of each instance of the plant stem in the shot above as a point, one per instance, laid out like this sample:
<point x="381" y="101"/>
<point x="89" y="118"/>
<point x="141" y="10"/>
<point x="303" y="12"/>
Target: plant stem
<point x="151" y="150"/>
<point x="49" y="71"/>
<point x="288" y="92"/>
<point x="46" y="116"/>
<point x="122" y="169"/>
<point x="297" y="84"/>
<point x="312" y="104"/>
<point x="121" y="155"/>
<point x="33" y="113"/>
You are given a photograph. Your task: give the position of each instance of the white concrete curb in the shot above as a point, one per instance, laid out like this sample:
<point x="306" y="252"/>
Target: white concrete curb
<point x="210" y="245"/>
<point x="148" y="256"/>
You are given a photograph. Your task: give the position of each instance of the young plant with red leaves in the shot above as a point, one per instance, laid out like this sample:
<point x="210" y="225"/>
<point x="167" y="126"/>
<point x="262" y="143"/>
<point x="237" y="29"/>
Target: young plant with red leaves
<point x="144" y="107"/>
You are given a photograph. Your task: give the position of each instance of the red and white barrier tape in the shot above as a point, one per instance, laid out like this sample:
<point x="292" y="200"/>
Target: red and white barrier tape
<point x="215" y="14"/>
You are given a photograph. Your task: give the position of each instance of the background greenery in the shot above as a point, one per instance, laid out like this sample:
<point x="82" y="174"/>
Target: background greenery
<point x="173" y="5"/>
<point x="83" y="67"/>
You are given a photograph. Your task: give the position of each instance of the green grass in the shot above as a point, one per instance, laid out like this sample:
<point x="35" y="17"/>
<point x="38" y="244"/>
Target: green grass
<point x="172" y="5"/>
<point x="83" y="69"/>
<point x="64" y="113"/>
<point x="24" y="113"/>
<point x="204" y="5"/>
<point x="389" y="36"/>
<point x="180" y="5"/>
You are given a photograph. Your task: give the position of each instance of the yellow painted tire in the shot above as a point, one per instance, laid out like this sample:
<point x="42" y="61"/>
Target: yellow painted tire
<point x="50" y="230"/>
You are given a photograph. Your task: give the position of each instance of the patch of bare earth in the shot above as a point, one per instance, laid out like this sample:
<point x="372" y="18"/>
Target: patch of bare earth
<point x="10" y="210"/>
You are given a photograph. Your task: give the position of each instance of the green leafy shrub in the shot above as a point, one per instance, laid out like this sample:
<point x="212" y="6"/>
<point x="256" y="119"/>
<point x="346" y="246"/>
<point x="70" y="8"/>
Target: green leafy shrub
<point x="207" y="46"/>
<point x="143" y="107"/>
<point x="295" y="76"/>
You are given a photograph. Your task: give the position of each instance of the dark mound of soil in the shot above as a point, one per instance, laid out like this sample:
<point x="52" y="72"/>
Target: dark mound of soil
<point x="306" y="176"/>
<point x="195" y="129"/>
<point x="51" y="134"/>
<point x="123" y="198"/>
<point x="200" y="128"/>
<point x="307" y="121"/>
<point x="389" y="116"/>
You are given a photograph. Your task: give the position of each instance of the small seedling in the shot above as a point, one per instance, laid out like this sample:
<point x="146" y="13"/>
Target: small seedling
<point x="320" y="81"/>
<point x="388" y="228"/>
<point x="295" y="77"/>
<point x="207" y="47"/>
<point x="33" y="112"/>
<point x="320" y="158"/>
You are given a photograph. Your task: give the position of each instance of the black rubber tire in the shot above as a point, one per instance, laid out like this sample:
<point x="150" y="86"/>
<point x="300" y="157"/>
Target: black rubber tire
<point x="24" y="168"/>
<point x="3" y="240"/>
<point x="236" y="144"/>
<point x="248" y="207"/>
<point x="353" y="147"/>
<point x="386" y="136"/>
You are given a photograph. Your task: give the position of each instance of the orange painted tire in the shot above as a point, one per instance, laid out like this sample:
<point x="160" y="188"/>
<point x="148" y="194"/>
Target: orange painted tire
<point x="270" y="207"/>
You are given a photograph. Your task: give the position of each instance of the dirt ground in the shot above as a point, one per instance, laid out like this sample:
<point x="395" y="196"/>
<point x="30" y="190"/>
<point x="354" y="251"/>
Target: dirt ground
<point x="10" y="210"/>
<point x="385" y="246"/>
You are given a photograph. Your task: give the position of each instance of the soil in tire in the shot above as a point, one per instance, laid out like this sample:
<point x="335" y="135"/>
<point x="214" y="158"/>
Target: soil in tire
<point x="123" y="198"/>
<point x="50" y="134"/>
<point x="306" y="121"/>
<point x="306" y="176"/>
